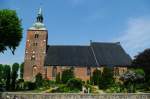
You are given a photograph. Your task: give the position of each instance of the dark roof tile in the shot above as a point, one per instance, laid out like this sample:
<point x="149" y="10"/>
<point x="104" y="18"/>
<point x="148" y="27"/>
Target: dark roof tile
<point x="109" y="54"/>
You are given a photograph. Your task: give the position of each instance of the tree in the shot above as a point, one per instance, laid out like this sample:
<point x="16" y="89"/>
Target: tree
<point x="39" y="80"/>
<point x="21" y="70"/>
<point x="142" y="60"/>
<point x="96" y="77"/>
<point x="1" y="73"/>
<point x="7" y="76"/>
<point x="15" y="68"/>
<point x="10" y="30"/>
<point x="66" y="75"/>
<point x="131" y="78"/>
<point x="140" y="74"/>
<point x="20" y="84"/>
<point x="106" y="79"/>
<point x="74" y="83"/>
<point x="58" y="80"/>
<point x="29" y="85"/>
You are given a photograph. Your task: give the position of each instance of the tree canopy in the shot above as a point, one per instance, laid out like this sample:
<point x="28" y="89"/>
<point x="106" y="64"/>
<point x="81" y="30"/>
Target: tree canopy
<point x="142" y="60"/>
<point x="106" y="78"/>
<point x="15" y="68"/>
<point x="7" y="76"/>
<point x="39" y="80"/>
<point x="96" y="77"/>
<point x="1" y="72"/>
<point x="10" y="30"/>
<point x="21" y="70"/>
<point x="75" y="83"/>
<point x="66" y="75"/>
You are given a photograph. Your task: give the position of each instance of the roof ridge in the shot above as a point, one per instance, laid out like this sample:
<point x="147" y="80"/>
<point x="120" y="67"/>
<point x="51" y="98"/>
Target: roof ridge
<point x="105" y="42"/>
<point x="69" y="45"/>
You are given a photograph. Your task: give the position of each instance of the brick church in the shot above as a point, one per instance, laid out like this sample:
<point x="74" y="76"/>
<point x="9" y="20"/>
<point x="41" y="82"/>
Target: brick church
<point x="49" y="60"/>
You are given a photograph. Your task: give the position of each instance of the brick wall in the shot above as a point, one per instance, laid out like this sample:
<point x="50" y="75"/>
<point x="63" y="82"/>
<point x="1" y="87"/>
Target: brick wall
<point x="35" y="53"/>
<point x="79" y="72"/>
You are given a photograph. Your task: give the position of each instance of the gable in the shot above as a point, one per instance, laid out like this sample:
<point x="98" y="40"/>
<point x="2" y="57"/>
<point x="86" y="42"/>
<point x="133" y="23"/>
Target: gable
<point x="111" y="54"/>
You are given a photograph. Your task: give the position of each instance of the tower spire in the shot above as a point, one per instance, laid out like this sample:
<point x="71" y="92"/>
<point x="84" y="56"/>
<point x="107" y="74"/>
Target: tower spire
<point x="39" y="17"/>
<point x="39" y="21"/>
<point x="40" y="11"/>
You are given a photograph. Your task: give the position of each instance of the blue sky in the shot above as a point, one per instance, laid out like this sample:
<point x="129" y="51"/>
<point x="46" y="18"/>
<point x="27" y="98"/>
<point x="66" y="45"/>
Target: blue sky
<point x="76" y="22"/>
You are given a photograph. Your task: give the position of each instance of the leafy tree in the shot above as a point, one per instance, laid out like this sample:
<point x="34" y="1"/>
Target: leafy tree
<point x="1" y="73"/>
<point x="142" y="60"/>
<point x="46" y="83"/>
<point x="140" y="74"/>
<point x="21" y="70"/>
<point x="58" y="80"/>
<point x="39" y="80"/>
<point x="106" y="79"/>
<point x="15" y="68"/>
<point x="66" y="75"/>
<point x="20" y="84"/>
<point x="96" y="77"/>
<point x="29" y="85"/>
<point x="74" y="83"/>
<point x="10" y="30"/>
<point x="7" y="76"/>
<point x="131" y="78"/>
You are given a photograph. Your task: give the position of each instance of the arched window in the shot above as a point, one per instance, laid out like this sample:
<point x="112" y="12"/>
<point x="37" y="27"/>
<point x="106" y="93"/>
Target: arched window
<point x="88" y="71"/>
<point x="35" y="70"/>
<point x="54" y="72"/>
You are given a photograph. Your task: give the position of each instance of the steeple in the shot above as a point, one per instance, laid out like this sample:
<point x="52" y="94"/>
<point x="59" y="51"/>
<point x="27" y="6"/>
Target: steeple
<point x="39" y="21"/>
<point x="36" y="45"/>
<point x="39" y="17"/>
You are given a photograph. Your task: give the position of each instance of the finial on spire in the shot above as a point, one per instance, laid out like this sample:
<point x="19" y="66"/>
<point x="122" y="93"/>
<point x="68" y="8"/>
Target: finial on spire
<point x="39" y="21"/>
<point x="40" y="11"/>
<point x="40" y="16"/>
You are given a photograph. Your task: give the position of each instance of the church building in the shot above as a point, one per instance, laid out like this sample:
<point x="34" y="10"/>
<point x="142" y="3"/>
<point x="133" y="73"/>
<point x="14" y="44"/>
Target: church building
<point x="49" y="60"/>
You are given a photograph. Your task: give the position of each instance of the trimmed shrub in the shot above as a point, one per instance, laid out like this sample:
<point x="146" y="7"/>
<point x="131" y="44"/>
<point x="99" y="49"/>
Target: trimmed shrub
<point x="58" y="80"/>
<point x="66" y="75"/>
<point x="75" y="83"/>
<point x="39" y="80"/>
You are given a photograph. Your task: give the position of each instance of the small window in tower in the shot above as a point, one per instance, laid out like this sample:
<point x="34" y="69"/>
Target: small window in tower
<point x="35" y="44"/>
<point x="36" y="36"/>
<point x="32" y="57"/>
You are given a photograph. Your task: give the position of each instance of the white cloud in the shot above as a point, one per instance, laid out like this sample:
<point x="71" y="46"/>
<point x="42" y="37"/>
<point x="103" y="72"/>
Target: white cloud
<point x="136" y="37"/>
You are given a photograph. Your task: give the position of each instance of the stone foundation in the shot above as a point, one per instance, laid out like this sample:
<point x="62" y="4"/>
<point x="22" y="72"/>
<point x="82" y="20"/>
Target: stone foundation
<point x="22" y="95"/>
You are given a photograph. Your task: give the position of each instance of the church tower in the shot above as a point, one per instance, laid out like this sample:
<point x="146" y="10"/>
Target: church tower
<point x="36" y="43"/>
